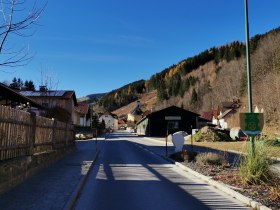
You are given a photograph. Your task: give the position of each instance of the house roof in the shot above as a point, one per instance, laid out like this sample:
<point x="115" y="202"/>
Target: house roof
<point x="146" y="113"/>
<point x="121" y="122"/>
<point x="162" y="110"/>
<point x="224" y="114"/>
<point x="216" y="113"/>
<point x="65" y="94"/>
<point x="137" y="111"/>
<point x="82" y="108"/>
<point x="202" y="119"/>
<point x="207" y="115"/>
<point x="110" y="113"/>
<point x="230" y="104"/>
<point x="12" y="95"/>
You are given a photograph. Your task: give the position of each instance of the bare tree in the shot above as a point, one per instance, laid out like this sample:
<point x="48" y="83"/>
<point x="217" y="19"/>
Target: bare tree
<point x="15" y="23"/>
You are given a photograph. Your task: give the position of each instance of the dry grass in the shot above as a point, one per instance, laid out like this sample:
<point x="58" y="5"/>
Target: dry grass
<point x="235" y="146"/>
<point x="148" y="102"/>
<point x="210" y="158"/>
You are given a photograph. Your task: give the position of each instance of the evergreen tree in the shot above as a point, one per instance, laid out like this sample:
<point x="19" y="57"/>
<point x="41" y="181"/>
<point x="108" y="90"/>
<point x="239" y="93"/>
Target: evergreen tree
<point x="16" y="84"/>
<point x="161" y="91"/>
<point x="194" y="97"/>
<point x="29" y="85"/>
<point x="95" y="121"/>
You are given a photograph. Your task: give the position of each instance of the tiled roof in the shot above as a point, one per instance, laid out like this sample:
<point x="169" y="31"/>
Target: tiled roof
<point x="137" y="111"/>
<point x="82" y="108"/>
<point x="121" y="122"/>
<point x="226" y="113"/>
<point x="110" y="113"/>
<point x="207" y="115"/>
<point x="146" y="113"/>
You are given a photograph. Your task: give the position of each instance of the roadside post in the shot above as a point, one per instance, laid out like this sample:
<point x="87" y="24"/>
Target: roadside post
<point x="94" y="134"/>
<point x="167" y="133"/>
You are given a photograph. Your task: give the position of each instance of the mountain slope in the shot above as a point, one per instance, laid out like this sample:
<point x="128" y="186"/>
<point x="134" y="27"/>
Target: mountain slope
<point x="148" y="102"/>
<point x="202" y="82"/>
<point x="92" y="98"/>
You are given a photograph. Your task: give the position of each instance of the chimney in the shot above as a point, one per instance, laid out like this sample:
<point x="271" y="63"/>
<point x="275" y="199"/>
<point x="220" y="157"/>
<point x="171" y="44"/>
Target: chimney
<point x="42" y="88"/>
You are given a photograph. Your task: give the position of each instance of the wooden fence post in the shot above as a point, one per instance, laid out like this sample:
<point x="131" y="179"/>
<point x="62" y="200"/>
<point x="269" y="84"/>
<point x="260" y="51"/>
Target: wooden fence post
<point x="33" y="133"/>
<point x="53" y="133"/>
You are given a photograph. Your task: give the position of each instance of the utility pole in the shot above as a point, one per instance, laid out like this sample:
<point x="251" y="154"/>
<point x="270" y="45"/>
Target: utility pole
<point x="90" y="110"/>
<point x="252" y="146"/>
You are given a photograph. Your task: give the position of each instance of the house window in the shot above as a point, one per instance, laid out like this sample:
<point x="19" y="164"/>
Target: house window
<point x="173" y="125"/>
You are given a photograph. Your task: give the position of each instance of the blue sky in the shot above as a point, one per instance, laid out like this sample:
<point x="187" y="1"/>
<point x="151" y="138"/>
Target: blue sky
<point x="94" y="46"/>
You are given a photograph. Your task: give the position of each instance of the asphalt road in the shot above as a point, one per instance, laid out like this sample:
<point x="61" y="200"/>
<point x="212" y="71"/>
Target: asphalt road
<point x="52" y="187"/>
<point x="129" y="174"/>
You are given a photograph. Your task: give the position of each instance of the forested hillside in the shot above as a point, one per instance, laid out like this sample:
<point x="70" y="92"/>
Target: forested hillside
<point x="218" y="74"/>
<point x="122" y="96"/>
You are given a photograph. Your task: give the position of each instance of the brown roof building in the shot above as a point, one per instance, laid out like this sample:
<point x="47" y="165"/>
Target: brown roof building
<point x="10" y="97"/>
<point x="65" y="99"/>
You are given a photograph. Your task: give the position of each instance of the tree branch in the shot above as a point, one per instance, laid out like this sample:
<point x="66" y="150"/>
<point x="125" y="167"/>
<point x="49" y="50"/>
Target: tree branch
<point x="19" y="27"/>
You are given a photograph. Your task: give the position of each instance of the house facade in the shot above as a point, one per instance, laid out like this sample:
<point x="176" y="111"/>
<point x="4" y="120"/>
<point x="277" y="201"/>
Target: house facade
<point x="167" y="121"/>
<point x="226" y="116"/>
<point x="136" y="114"/>
<point x="122" y="124"/>
<point x="82" y="115"/>
<point x="110" y="120"/>
<point x="65" y="99"/>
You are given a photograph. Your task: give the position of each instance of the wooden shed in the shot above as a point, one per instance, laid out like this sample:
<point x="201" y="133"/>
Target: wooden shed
<point x="167" y="121"/>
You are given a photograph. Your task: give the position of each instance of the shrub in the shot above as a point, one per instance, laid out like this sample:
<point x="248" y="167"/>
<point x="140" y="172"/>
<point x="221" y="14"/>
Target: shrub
<point x="256" y="168"/>
<point x="210" y="158"/>
<point x="209" y="134"/>
<point x="275" y="193"/>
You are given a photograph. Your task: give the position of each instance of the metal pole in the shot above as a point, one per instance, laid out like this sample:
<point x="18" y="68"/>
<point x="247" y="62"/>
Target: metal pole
<point x="166" y="152"/>
<point x="252" y="147"/>
<point x="191" y="140"/>
<point x="90" y="110"/>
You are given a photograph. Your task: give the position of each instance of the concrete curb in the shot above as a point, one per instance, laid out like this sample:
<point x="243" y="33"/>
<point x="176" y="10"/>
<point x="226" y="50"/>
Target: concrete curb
<point x="74" y="196"/>
<point x="221" y="186"/>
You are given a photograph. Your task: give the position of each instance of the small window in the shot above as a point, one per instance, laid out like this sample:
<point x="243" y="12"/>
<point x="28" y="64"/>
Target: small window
<point x="173" y="124"/>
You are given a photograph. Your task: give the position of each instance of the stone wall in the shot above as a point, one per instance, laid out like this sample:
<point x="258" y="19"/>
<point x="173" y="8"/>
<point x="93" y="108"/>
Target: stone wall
<point x="17" y="170"/>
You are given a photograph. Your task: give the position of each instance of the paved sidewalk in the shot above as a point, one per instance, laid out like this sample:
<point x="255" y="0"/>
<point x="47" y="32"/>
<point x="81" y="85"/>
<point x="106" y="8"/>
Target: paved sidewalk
<point x="53" y="187"/>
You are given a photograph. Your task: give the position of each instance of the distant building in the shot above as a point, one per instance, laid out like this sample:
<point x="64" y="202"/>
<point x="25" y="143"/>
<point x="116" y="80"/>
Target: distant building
<point x="136" y="114"/>
<point x="122" y="124"/>
<point x="167" y="121"/>
<point x="226" y="116"/>
<point x="110" y="120"/>
<point x="82" y="115"/>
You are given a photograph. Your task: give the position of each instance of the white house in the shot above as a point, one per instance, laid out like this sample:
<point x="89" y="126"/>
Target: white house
<point x="110" y="119"/>
<point x="220" y="121"/>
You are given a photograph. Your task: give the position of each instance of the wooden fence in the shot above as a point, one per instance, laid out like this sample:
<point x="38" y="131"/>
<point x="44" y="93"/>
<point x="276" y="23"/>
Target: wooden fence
<point x="23" y="134"/>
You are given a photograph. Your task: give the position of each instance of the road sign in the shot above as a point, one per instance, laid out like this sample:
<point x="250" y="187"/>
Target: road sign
<point x="251" y="123"/>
